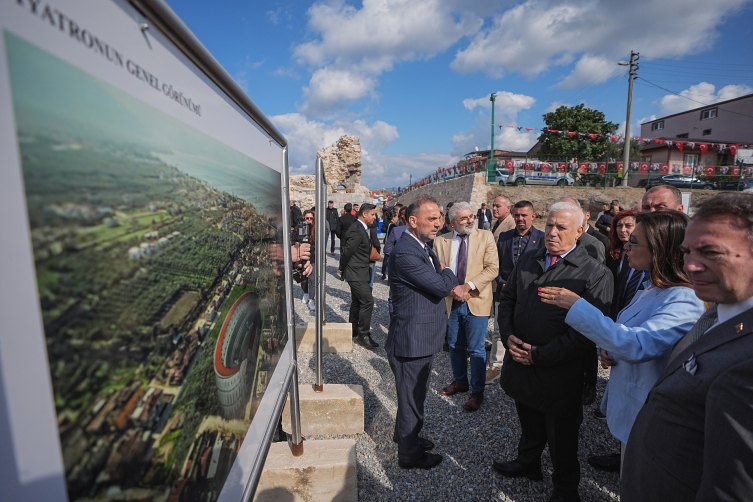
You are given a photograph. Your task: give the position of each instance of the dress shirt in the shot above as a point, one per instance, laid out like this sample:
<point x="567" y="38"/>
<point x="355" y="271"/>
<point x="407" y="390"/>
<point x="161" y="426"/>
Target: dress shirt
<point x="730" y="310"/>
<point x="423" y="244"/>
<point x="548" y="256"/>
<point x="454" y="255"/>
<point x="519" y="243"/>
<point x="365" y="227"/>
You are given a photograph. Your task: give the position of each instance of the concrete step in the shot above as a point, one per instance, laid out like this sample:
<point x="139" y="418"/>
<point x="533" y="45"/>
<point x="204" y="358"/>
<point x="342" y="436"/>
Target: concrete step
<point x="336" y="410"/>
<point x="326" y="471"/>
<point x="337" y="337"/>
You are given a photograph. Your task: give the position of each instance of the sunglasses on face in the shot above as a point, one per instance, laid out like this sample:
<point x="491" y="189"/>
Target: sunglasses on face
<point x="309" y="219"/>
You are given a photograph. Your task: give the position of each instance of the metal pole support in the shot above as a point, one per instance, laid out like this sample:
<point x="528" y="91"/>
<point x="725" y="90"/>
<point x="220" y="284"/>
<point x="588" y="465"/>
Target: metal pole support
<point x="296" y="440"/>
<point x="321" y="257"/>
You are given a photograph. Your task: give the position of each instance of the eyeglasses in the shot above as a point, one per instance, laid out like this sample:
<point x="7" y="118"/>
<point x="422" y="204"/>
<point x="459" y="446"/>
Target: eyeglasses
<point x="309" y="219"/>
<point x="634" y="244"/>
<point x="466" y="218"/>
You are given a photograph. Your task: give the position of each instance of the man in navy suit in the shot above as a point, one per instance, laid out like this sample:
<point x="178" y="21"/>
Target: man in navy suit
<point x="510" y="246"/>
<point x="419" y="284"/>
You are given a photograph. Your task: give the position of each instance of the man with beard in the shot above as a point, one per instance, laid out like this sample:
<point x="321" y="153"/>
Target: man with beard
<point x="418" y="284"/>
<point x="472" y="255"/>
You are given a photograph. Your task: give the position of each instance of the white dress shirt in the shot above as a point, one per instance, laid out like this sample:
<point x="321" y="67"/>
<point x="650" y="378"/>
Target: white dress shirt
<point x="727" y="311"/>
<point x="454" y="255"/>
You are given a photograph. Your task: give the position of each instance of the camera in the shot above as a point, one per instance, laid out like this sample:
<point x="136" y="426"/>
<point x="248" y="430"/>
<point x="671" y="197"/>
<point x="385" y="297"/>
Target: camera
<point x="301" y="235"/>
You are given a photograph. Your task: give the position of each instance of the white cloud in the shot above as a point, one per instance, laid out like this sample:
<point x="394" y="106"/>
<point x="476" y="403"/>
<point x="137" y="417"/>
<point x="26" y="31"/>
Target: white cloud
<point x="536" y="35"/>
<point x="506" y="103"/>
<point x="353" y="47"/>
<point x="479" y="135"/>
<point x="283" y="71"/>
<point x="698" y="95"/>
<point x="556" y="104"/>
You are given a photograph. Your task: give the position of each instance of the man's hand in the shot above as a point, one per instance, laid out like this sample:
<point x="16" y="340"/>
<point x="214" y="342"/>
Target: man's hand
<point x="442" y="265"/>
<point x="609" y="229"/>
<point x="520" y="352"/>
<point x="461" y="293"/>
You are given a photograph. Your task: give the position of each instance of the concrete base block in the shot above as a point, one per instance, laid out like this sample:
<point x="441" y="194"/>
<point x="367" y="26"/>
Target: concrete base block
<point x="326" y="471"/>
<point x="338" y="410"/>
<point x="337" y="337"/>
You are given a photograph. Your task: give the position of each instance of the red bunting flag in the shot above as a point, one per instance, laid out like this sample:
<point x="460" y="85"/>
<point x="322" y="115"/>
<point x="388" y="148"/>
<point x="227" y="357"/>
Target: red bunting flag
<point x="690" y="145"/>
<point x="660" y="141"/>
<point x="529" y="128"/>
<point x="593" y="136"/>
<point x="602" y="167"/>
<point x="733" y="149"/>
<point x="572" y="134"/>
<point x="614" y="139"/>
<point x="679" y="145"/>
<point x="704" y="147"/>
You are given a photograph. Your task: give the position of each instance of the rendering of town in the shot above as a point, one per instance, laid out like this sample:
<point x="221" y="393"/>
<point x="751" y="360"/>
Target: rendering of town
<point x="154" y="249"/>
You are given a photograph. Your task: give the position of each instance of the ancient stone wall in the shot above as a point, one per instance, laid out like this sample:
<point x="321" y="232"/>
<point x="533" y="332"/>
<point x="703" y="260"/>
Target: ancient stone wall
<point x="342" y="162"/>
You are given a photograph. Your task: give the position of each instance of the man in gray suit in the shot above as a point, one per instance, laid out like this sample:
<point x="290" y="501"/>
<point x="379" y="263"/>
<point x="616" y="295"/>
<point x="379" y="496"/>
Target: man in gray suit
<point x="693" y="439"/>
<point x="418" y="287"/>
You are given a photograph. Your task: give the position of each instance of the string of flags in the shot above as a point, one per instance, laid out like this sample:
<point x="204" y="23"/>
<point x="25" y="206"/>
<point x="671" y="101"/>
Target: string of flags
<point x="617" y="138"/>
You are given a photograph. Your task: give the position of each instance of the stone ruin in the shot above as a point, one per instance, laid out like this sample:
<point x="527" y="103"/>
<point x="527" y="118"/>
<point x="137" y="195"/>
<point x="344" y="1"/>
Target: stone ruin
<point x="342" y="169"/>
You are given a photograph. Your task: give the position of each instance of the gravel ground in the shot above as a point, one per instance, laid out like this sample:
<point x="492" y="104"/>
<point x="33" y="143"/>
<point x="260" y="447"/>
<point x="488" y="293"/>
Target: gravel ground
<point x="469" y="442"/>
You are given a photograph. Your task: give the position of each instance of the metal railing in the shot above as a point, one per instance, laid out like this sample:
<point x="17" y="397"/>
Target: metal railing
<point x="320" y="241"/>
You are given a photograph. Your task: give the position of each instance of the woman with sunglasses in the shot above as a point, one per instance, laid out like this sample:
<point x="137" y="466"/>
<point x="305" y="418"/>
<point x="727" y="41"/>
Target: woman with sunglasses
<point x="309" y="283"/>
<point x="637" y="344"/>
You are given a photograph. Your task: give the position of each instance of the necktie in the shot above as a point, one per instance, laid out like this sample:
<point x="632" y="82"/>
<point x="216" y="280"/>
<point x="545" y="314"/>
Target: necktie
<point x="552" y="260"/>
<point x="631" y="288"/>
<point x="462" y="259"/>
<point x="704" y="323"/>
<point x="434" y="259"/>
<point x="496" y="225"/>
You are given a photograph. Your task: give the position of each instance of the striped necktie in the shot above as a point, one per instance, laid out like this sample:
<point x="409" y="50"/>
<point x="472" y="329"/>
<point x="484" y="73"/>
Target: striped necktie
<point x="704" y="323"/>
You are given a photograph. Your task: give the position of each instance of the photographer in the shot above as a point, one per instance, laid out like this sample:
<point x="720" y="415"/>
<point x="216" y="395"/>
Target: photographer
<point x="304" y="234"/>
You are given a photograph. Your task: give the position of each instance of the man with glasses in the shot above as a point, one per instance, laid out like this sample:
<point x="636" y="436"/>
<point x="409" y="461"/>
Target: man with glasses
<point x="472" y="256"/>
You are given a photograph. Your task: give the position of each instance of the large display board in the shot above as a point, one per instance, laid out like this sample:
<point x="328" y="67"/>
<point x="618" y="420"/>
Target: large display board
<point x="142" y="215"/>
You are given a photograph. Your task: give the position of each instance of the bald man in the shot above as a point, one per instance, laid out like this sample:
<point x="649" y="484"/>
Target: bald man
<point x="661" y="198"/>
<point x="501" y="211"/>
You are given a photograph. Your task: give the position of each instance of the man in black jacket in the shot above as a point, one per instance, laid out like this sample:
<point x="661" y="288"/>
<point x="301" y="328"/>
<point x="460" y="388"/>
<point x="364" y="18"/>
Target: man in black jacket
<point x="295" y="214"/>
<point x="604" y="223"/>
<point x="344" y="223"/>
<point x="543" y="366"/>
<point x="354" y="266"/>
<point x="332" y="218"/>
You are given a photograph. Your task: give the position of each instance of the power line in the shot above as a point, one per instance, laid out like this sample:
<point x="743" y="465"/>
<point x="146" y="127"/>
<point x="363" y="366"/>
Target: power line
<point x="694" y="100"/>
<point x="694" y="62"/>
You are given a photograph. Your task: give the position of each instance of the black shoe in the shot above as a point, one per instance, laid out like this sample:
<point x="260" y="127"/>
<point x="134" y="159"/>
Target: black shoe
<point x="366" y="341"/>
<point x="513" y="469"/>
<point x="609" y="463"/>
<point x="425" y="461"/>
<point x="599" y="415"/>
<point x="424" y="443"/>
<point x="558" y="497"/>
<point x="589" y="394"/>
<point x="384" y="277"/>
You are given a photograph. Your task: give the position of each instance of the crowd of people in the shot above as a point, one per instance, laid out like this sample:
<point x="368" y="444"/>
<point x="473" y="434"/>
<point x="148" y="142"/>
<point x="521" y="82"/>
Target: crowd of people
<point x="661" y="300"/>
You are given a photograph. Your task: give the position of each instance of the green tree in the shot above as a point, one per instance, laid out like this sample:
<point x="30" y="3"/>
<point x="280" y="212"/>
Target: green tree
<point x="555" y="146"/>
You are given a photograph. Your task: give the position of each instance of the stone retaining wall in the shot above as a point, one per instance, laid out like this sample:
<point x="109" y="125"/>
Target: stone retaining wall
<point x="474" y="189"/>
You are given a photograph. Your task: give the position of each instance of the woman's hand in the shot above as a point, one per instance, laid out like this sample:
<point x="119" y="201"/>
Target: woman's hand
<point x="606" y="360"/>
<point x="558" y="296"/>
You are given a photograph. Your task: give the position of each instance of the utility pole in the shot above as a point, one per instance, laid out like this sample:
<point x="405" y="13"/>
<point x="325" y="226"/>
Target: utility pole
<point x="491" y="173"/>
<point x="634" y="57"/>
<point x="410" y="183"/>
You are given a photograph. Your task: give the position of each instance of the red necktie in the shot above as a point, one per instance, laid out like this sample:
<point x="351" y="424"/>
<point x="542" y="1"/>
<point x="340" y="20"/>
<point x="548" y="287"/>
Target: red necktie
<point x="552" y="260"/>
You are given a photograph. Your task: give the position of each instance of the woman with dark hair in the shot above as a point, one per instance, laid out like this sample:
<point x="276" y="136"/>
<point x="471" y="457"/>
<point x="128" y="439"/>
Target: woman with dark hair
<point x="637" y="344"/>
<point x="623" y="225"/>
<point x="309" y="283"/>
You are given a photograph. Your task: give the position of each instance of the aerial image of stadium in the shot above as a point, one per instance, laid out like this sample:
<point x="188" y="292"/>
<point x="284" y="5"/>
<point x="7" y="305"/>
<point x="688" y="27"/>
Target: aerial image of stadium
<point x="236" y="355"/>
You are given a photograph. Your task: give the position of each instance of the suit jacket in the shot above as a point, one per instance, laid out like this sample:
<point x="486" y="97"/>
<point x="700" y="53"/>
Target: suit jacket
<point x="604" y="222"/>
<point x="640" y="342"/>
<point x="392" y="239"/>
<point x="482" y="268"/>
<point x="343" y="225"/>
<point x="693" y="439"/>
<point x="332" y="217"/>
<point x="593" y="246"/>
<point x="554" y="382"/>
<point x="504" y="252"/>
<point x="354" y="261"/>
<point x="418" y="287"/>
<point x="506" y="224"/>
<point x="599" y="236"/>
<point x="487" y="213"/>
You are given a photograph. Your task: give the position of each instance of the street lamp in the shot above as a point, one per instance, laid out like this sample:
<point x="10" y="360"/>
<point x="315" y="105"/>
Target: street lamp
<point x="490" y="169"/>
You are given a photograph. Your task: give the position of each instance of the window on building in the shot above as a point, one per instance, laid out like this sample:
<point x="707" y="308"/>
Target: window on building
<point x="646" y="159"/>
<point x="657" y="125"/>
<point x="707" y="132"/>
<point x="708" y="114"/>
<point x="691" y="159"/>
<point x="682" y="135"/>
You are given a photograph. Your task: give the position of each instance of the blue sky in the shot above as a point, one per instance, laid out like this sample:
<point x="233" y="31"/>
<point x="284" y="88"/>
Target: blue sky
<point x="412" y="78"/>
